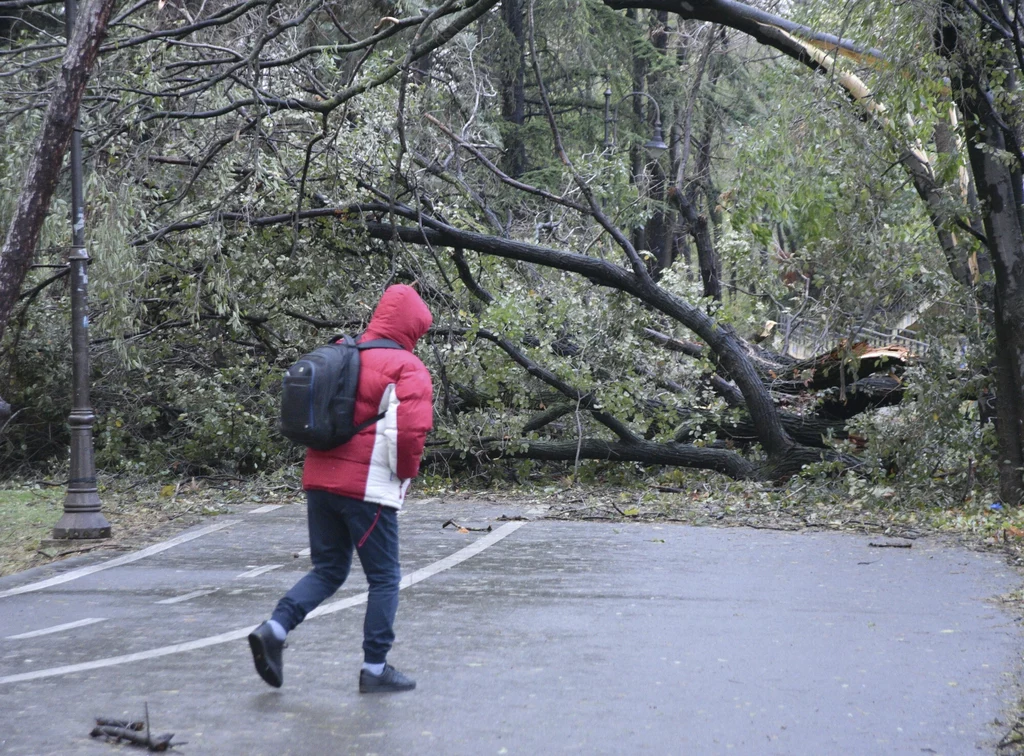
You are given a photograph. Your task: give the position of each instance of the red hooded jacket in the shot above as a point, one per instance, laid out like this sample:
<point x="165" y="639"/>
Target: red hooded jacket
<point x="379" y="462"/>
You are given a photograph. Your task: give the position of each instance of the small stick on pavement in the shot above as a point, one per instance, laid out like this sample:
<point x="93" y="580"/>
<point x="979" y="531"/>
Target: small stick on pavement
<point x="891" y="545"/>
<point x="464" y="529"/>
<point x="83" y="550"/>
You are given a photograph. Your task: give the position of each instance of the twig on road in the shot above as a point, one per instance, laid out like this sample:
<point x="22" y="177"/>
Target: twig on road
<point x="890" y="545"/>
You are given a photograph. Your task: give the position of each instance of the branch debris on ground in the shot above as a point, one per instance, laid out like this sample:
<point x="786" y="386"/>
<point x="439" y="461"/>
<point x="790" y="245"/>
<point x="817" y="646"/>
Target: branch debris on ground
<point x="135" y="732"/>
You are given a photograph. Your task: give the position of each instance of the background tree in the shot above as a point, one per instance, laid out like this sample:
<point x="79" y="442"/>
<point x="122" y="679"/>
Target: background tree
<point x="981" y="49"/>
<point x="41" y="176"/>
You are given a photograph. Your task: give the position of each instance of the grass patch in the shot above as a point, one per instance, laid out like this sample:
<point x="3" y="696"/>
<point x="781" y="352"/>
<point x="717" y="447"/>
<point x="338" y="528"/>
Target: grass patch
<point x="27" y="515"/>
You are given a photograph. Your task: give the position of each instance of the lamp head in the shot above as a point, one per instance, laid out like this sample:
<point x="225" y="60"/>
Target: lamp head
<point x="656" y="146"/>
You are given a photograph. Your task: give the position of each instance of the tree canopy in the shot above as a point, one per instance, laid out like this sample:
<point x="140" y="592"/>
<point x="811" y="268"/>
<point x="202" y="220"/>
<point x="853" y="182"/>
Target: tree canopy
<point x="822" y="269"/>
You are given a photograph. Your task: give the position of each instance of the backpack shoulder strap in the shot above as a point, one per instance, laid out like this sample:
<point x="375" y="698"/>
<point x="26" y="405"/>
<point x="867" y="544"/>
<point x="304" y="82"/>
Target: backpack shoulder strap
<point x="379" y="344"/>
<point x="374" y="344"/>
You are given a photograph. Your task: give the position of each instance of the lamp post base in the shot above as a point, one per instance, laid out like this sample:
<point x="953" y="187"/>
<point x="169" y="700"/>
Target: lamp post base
<point x="88" y="524"/>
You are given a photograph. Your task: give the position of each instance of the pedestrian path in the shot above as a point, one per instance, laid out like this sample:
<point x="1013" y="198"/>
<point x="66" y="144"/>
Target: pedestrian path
<point x="532" y="637"/>
<point x="111" y="581"/>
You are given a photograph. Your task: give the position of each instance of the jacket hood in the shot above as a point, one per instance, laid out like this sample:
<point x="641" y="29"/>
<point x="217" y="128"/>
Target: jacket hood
<point x="400" y="316"/>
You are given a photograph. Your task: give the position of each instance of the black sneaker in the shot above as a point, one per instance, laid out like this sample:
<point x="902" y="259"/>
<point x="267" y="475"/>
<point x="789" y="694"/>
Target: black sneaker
<point x="266" y="653"/>
<point x="388" y="681"/>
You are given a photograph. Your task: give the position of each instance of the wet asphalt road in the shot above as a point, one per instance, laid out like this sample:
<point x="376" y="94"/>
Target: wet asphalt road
<point x="540" y="637"/>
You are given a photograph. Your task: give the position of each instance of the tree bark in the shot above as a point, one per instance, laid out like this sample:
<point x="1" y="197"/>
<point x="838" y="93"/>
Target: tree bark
<point x="995" y="183"/>
<point x="707" y="256"/>
<point x="650" y="453"/>
<point x="658" y="231"/>
<point x="998" y="184"/>
<point x="646" y="452"/>
<point x="807" y="431"/>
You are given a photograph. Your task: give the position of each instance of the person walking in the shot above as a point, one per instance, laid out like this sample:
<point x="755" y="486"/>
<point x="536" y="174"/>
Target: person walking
<point x="354" y="492"/>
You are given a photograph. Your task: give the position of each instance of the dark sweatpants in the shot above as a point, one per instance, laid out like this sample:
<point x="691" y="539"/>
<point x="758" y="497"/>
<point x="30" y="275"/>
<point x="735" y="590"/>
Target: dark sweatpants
<point x="336" y="525"/>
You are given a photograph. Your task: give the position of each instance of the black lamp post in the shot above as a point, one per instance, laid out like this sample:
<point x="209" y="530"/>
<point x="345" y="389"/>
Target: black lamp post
<point x="655" y="145"/>
<point x="82" y="516"/>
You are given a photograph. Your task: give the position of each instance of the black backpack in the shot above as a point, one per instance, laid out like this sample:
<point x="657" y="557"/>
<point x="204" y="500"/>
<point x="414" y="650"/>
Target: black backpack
<point x="318" y="394"/>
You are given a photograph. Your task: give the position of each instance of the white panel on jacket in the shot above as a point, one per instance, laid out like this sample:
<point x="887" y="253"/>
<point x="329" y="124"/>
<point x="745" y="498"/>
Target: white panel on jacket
<point x="382" y="483"/>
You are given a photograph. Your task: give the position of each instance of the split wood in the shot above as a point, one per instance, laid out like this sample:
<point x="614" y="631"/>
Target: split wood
<point x="132" y="731"/>
<point x="117" y="734"/>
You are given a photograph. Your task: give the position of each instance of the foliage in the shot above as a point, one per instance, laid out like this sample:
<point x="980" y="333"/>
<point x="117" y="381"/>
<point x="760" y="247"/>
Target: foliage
<point x="206" y="283"/>
<point x="843" y="239"/>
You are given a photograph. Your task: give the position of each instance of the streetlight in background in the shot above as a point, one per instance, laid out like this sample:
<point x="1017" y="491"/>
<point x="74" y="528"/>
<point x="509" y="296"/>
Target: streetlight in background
<point x="655" y="146"/>
<point x="82" y="517"/>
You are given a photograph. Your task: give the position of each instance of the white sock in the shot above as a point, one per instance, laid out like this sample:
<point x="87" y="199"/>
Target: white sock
<point x="279" y="632"/>
<point x="374" y="669"/>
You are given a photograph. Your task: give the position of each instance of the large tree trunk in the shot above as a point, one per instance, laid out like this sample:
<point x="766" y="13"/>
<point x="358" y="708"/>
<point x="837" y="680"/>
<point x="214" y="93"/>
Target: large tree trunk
<point x="707" y="255"/>
<point x="997" y="181"/>
<point x="651" y="453"/>
<point x="687" y="193"/>
<point x="646" y="452"/>
<point x="995" y="184"/>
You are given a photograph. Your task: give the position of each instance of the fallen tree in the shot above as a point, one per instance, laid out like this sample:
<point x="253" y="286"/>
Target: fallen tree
<point x="785" y="456"/>
<point x="791" y="440"/>
<point x="767" y="400"/>
<point x="981" y="44"/>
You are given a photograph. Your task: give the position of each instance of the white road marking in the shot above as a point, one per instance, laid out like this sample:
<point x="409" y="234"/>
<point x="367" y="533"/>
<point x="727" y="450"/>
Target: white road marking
<point x="67" y="577"/>
<point x="187" y="596"/>
<point x="233" y="635"/>
<point x="57" y="628"/>
<point x="306" y="552"/>
<point x="267" y="508"/>
<point x="259" y="571"/>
